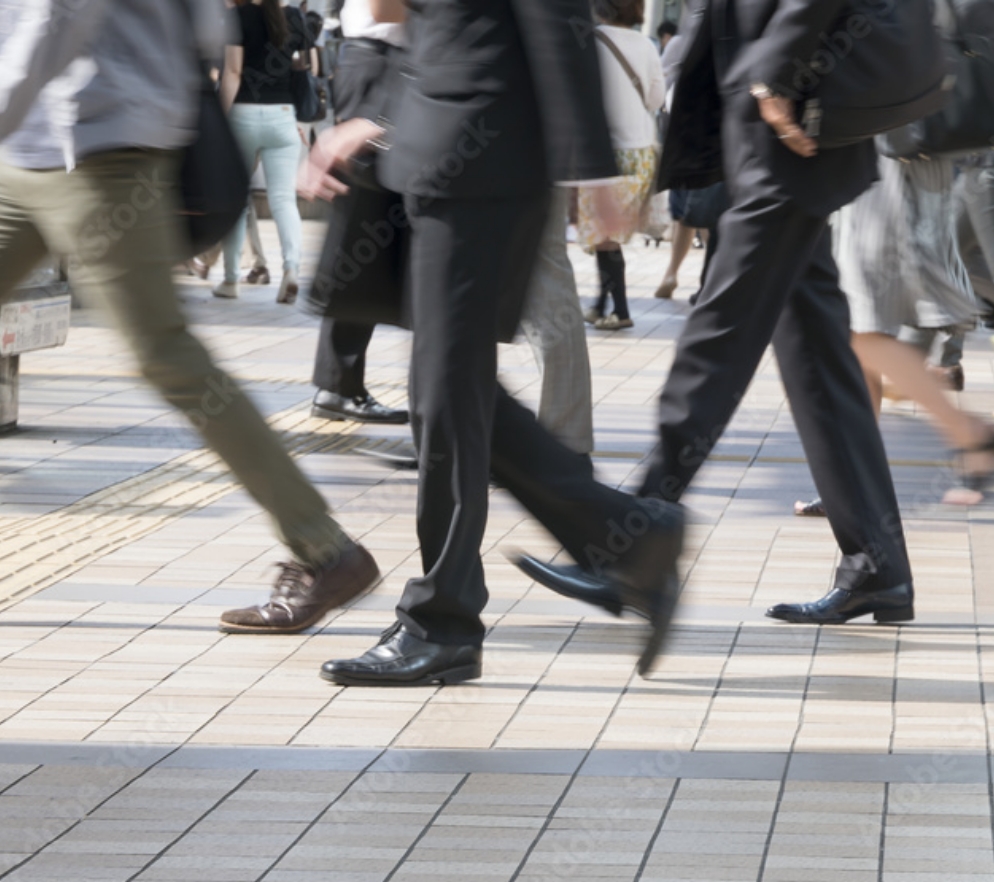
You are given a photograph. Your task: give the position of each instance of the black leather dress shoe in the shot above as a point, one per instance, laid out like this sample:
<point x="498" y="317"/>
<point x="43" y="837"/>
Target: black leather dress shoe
<point x="643" y="580"/>
<point x="896" y="604"/>
<point x="361" y="409"/>
<point x="401" y="659"/>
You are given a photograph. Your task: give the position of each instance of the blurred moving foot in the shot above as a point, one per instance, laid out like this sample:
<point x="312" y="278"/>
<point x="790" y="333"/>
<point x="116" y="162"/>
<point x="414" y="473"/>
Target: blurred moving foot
<point x="813" y="509"/>
<point x="951" y="377"/>
<point x="593" y="315"/>
<point x="258" y="275"/>
<point x="303" y="595"/>
<point x="666" y="289"/>
<point x="226" y="290"/>
<point x="288" y="288"/>
<point x="361" y="409"/>
<point x="644" y="580"/>
<point x="976" y="475"/>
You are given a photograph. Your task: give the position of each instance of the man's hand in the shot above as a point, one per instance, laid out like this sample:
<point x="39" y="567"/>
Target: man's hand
<point x="332" y="151"/>
<point x="778" y="113"/>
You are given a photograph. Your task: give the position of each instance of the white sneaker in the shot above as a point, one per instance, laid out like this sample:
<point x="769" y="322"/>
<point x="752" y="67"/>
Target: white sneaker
<point x="288" y="288"/>
<point x="226" y="290"/>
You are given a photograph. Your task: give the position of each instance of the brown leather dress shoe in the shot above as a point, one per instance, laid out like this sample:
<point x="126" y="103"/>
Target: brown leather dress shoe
<point x="303" y="595"/>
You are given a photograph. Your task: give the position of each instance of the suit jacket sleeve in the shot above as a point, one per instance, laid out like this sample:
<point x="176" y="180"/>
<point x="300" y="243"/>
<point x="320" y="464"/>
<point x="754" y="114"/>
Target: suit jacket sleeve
<point x="788" y="42"/>
<point x="558" y="36"/>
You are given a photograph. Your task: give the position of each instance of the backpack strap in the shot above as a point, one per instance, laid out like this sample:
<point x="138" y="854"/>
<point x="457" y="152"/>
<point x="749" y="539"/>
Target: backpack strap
<point x="633" y="77"/>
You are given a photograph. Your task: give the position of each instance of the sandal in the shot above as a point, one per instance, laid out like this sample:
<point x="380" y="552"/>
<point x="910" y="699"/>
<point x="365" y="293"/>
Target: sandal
<point x="258" y="275"/>
<point x="973" y="487"/>
<point x="813" y="509"/>
<point x="666" y="289"/>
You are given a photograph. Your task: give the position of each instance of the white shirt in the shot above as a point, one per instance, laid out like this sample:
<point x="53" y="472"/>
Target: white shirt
<point x="357" y="21"/>
<point x="632" y="123"/>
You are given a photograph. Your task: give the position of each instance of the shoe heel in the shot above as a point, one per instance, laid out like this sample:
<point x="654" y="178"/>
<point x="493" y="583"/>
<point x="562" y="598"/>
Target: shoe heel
<point x="900" y="614"/>
<point x="460" y="675"/>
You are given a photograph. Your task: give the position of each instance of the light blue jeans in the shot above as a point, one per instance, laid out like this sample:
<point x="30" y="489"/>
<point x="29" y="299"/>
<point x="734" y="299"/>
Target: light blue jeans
<point x="269" y="132"/>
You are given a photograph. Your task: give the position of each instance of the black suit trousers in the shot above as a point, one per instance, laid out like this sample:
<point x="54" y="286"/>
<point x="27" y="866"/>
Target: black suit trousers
<point x="773" y="279"/>
<point x="466" y="254"/>
<point x="340" y="363"/>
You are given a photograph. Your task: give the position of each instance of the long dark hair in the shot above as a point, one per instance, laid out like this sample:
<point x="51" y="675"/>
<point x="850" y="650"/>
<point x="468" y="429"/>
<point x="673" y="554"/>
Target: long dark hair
<point x="275" y="23"/>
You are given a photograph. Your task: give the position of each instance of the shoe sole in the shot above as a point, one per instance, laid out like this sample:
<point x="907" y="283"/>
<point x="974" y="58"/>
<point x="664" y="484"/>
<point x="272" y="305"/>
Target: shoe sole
<point x="230" y="628"/>
<point x="441" y="678"/>
<point x="882" y="616"/>
<point x="339" y="417"/>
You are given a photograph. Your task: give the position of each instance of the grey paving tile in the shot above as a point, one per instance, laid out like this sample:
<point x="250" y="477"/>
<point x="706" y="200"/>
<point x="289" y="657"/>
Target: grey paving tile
<point x="193" y="756"/>
<point x="744" y="765"/>
<point x="511" y="762"/>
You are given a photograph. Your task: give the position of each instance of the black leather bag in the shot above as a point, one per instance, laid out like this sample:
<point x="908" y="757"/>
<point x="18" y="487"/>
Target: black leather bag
<point x="360" y="274"/>
<point x="881" y="66"/>
<point x="214" y="182"/>
<point x="966" y="123"/>
<point x="310" y="101"/>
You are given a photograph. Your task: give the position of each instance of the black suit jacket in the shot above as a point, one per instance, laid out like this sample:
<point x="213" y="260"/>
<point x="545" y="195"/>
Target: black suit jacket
<point x="715" y="129"/>
<point x="501" y="98"/>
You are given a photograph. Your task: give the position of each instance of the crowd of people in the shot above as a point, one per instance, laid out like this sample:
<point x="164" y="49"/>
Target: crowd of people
<point x="480" y="120"/>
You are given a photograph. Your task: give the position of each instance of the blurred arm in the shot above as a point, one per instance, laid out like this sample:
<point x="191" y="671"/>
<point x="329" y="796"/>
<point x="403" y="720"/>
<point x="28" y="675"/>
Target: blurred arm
<point x="388" y="11"/>
<point x="231" y="80"/>
<point x="48" y="35"/>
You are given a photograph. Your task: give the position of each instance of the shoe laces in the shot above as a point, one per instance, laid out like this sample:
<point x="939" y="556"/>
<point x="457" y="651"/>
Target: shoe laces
<point x="294" y="579"/>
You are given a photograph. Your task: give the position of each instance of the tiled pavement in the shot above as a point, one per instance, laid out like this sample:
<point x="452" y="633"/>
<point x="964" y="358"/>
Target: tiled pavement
<point x="136" y="742"/>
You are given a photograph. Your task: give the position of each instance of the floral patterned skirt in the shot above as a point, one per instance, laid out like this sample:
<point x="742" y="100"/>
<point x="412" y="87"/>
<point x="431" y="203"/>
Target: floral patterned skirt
<point x="638" y="168"/>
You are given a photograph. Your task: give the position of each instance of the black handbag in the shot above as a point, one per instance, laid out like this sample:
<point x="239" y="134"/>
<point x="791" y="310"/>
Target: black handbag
<point x="360" y="274"/>
<point x="880" y="66"/>
<point x="966" y="123"/>
<point x="310" y="101"/>
<point x="214" y="180"/>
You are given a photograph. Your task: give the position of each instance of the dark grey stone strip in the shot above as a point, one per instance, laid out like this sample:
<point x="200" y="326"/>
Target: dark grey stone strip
<point x="128" y="756"/>
<point x="913" y="768"/>
<point x="737" y="765"/>
<point x="501" y="762"/>
<point x="304" y="759"/>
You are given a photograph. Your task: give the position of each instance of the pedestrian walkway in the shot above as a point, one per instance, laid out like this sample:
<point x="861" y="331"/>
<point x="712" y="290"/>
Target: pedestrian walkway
<point x="139" y="743"/>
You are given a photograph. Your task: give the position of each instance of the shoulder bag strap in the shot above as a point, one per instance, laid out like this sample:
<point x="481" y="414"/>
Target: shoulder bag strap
<point x="625" y="66"/>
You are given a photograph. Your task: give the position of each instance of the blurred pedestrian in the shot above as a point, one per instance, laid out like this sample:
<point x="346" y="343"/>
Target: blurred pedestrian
<point x="94" y="178"/>
<point x="633" y="91"/>
<point x="481" y="130"/>
<point x="773" y="278"/>
<point x="358" y="89"/>
<point x="255" y="86"/>
<point x="900" y="266"/>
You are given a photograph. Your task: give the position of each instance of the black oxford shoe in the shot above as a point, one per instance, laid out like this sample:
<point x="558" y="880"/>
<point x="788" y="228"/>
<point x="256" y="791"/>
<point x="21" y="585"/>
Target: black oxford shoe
<point x="401" y="659"/>
<point x="896" y="604"/>
<point x="644" y="579"/>
<point x="361" y="409"/>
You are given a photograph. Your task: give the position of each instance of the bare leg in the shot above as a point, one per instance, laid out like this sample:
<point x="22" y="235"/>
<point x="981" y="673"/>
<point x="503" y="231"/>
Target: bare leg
<point x="905" y="366"/>
<point x="683" y="237"/>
